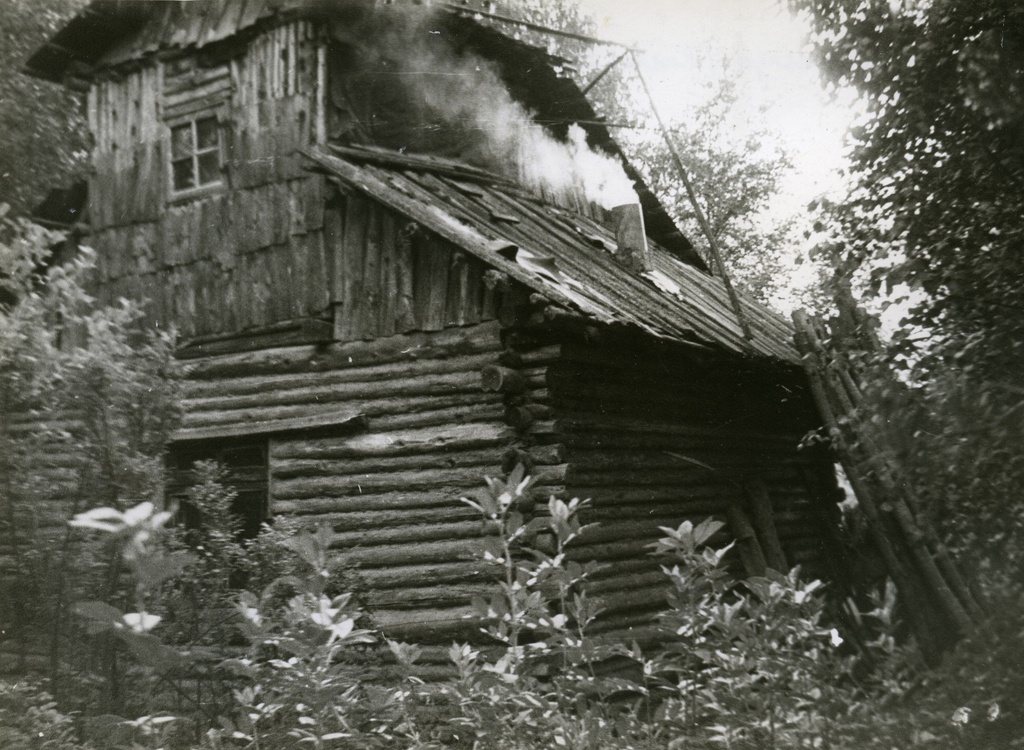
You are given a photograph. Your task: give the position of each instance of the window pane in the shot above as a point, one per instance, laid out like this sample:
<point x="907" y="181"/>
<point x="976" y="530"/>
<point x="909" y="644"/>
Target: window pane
<point x="207" y="132"/>
<point x="209" y="167"/>
<point x="183" y="175"/>
<point x="181" y="141"/>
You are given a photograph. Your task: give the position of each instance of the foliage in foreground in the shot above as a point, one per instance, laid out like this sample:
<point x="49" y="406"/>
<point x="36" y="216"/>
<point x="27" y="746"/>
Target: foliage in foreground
<point x="743" y="664"/>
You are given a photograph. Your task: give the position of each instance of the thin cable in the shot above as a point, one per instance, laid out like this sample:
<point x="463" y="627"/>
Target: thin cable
<point x="692" y="195"/>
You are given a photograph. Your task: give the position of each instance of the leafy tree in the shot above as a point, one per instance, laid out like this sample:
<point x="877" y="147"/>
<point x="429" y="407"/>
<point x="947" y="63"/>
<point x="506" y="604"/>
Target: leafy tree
<point x="938" y="164"/>
<point x="41" y="123"/>
<point x="735" y="171"/>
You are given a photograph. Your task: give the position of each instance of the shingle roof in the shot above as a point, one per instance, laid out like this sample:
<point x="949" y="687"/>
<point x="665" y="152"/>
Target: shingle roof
<point x="565" y="256"/>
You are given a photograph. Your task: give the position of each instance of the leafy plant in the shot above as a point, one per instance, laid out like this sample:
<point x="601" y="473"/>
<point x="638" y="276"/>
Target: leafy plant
<point x="301" y="686"/>
<point x="31" y="720"/>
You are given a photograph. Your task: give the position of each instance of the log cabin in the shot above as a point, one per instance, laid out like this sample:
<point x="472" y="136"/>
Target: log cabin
<point x="392" y="243"/>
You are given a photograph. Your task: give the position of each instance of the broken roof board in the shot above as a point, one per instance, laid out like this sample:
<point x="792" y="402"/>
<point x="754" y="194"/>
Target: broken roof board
<point x="557" y="256"/>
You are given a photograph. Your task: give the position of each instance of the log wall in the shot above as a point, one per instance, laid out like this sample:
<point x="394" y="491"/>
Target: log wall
<point x="390" y="490"/>
<point x="654" y="436"/>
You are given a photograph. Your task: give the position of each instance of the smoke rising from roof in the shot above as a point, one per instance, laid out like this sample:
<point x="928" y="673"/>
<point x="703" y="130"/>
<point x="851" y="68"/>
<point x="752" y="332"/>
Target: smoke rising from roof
<point x="461" y="107"/>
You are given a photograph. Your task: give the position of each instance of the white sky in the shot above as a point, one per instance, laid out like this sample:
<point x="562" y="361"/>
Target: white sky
<point x="776" y="69"/>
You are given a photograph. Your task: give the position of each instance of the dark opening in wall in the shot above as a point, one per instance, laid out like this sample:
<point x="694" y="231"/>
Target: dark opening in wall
<point x="244" y="461"/>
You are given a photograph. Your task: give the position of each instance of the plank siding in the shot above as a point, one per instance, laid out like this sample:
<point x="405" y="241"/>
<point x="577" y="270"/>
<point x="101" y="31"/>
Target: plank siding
<point x="390" y="278"/>
<point x="269" y="208"/>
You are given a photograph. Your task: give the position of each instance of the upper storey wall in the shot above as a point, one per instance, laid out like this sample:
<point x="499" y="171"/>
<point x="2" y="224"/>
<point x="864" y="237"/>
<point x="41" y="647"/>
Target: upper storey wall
<point x="263" y="96"/>
<point x="199" y="202"/>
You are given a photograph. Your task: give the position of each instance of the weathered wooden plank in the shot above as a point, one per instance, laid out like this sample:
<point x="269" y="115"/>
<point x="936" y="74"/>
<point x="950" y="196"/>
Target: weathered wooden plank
<point x="458" y="281"/>
<point x="372" y="291"/>
<point x="201" y="84"/>
<point x="357" y="218"/>
<point x="433" y="261"/>
<point x="177" y="87"/>
<point x="387" y="324"/>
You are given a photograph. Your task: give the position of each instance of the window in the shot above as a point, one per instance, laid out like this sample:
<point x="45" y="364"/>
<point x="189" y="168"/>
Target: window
<point x="196" y="153"/>
<point x="245" y="463"/>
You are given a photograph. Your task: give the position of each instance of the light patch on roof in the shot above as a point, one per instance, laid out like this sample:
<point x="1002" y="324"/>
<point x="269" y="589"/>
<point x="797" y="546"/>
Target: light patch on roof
<point x="664" y="283"/>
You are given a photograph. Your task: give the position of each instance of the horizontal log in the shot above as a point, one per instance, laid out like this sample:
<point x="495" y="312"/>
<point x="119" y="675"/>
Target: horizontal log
<point x="426" y="441"/>
<point x="479" y="412"/>
<point x="607" y="461"/>
<point x="366" y="407"/>
<point x="540" y="455"/>
<point x="533" y="396"/>
<point x="421" y="385"/>
<point x="650" y="598"/>
<point x="643" y="529"/>
<point x="304" y="467"/>
<point x="608" y="510"/>
<point x="547" y="428"/>
<point x="437" y="625"/>
<point x="521" y="417"/>
<point x="450" y="512"/>
<point x="256" y="383"/>
<point x="629" y="549"/>
<point x="409" y="534"/>
<point x="261" y="384"/>
<point x="330" y="419"/>
<point x="391" y="482"/>
<point x="683" y="474"/>
<point x="441" y="597"/>
<point x="442" y="344"/>
<point x="628" y="625"/>
<point x="594" y="424"/>
<point x="424" y="575"/>
<point x="435" y="498"/>
<point x="634" y="402"/>
<point x="542" y="356"/>
<point x="410" y="554"/>
<point x="627" y="581"/>
<point x="710" y="442"/>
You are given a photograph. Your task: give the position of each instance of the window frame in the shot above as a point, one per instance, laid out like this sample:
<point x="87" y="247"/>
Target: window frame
<point x="192" y="120"/>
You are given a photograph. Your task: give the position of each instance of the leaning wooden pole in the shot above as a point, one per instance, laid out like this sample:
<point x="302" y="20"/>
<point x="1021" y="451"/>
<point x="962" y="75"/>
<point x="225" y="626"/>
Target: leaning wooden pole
<point x="705" y="227"/>
<point x="915" y="556"/>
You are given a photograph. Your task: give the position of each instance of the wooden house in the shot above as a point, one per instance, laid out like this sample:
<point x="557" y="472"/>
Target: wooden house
<point x="376" y="312"/>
